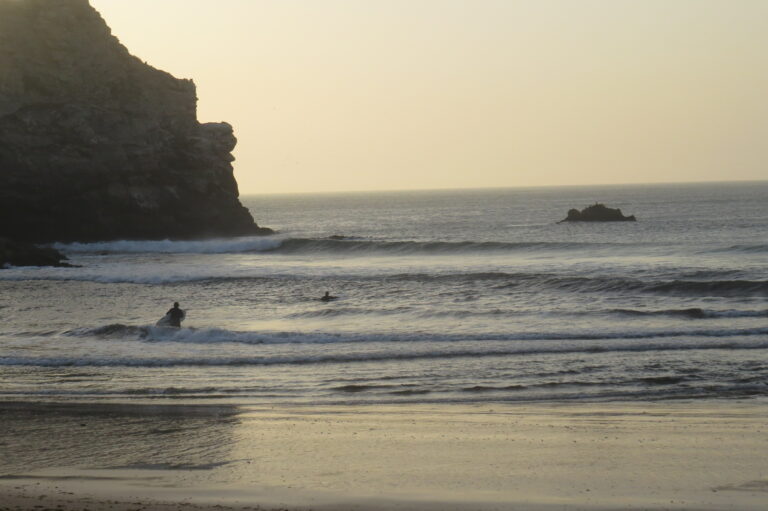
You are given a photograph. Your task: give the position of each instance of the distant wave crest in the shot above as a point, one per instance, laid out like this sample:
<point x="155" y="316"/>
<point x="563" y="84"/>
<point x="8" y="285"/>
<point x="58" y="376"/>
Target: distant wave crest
<point x="355" y="246"/>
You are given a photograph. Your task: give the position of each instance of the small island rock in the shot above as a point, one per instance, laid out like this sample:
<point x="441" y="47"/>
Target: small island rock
<point x="597" y="213"/>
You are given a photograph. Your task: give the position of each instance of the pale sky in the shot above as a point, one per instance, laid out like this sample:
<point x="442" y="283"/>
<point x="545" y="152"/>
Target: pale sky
<point x="335" y="95"/>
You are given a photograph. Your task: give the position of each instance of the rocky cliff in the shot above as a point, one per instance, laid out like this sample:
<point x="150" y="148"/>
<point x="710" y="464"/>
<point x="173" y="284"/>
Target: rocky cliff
<point x="95" y="144"/>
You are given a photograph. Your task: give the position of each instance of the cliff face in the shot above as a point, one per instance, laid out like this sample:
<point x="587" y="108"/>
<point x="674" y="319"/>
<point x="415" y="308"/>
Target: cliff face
<point x="95" y="144"/>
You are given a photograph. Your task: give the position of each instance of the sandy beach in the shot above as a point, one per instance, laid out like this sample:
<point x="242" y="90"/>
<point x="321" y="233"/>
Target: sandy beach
<point x="612" y="456"/>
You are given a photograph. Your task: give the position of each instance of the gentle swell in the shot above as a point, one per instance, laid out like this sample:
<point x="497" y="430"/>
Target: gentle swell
<point x="760" y="248"/>
<point x="345" y="358"/>
<point x="533" y="281"/>
<point x="694" y="313"/>
<point x="494" y="280"/>
<point x="219" y="335"/>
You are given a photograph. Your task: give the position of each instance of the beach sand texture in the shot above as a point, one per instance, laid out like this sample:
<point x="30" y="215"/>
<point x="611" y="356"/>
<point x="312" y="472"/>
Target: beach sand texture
<point x="612" y="456"/>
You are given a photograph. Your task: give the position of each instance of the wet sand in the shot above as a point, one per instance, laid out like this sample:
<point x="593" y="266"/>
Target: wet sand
<point x="699" y="455"/>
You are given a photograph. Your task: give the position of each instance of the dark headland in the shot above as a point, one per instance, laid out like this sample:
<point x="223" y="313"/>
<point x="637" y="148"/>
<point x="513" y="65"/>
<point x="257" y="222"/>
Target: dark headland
<point x="597" y="213"/>
<point x="97" y="145"/>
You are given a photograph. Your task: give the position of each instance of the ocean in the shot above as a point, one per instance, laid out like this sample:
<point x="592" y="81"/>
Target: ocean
<point x="468" y="296"/>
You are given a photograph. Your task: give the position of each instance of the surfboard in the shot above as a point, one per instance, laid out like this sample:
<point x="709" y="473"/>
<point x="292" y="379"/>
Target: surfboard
<point x="164" y="321"/>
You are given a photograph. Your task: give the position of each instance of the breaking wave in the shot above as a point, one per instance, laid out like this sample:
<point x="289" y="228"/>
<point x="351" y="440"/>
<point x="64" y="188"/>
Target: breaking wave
<point x="350" y="245"/>
<point x="335" y="245"/>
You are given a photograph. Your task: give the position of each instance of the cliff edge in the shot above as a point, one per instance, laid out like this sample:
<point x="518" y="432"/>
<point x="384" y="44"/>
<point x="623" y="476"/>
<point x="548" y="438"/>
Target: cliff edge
<point x="97" y="145"/>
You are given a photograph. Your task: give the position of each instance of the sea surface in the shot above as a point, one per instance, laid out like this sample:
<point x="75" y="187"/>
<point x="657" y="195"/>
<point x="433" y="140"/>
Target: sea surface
<point x="445" y="296"/>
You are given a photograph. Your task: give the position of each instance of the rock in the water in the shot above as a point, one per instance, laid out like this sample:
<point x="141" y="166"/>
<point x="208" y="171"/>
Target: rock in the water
<point x="95" y="144"/>
<point x="16" y="253"/>
<point x="597" y="213"/>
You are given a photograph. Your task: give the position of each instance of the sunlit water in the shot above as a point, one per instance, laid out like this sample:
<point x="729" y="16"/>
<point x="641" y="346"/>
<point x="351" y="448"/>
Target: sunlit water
<point x="443" y="296"/>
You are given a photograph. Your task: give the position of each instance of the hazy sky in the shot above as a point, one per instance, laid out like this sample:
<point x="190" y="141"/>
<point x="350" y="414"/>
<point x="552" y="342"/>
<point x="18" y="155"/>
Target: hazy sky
<point x="332" y="95"/>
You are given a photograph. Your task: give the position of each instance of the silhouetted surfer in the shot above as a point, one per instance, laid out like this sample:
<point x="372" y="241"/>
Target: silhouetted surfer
<point x="327" y="297"/>
<point x="175" y="315"/>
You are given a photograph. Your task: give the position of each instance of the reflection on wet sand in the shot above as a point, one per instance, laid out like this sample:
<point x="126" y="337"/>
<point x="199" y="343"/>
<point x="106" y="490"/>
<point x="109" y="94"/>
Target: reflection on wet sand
<point x="114" y="436"/>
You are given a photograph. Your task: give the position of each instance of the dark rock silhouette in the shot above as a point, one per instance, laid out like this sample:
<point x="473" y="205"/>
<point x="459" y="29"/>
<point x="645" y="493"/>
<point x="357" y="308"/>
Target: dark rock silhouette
<point x="597" y="213"/>
<point x="16" y="253"/>
<point x="97" y="145"/>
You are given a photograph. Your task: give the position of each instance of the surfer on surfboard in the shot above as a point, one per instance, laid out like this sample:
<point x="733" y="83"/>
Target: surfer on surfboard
<point x="173" y="317"/>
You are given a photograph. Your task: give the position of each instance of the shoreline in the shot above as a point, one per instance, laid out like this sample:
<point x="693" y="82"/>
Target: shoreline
<point x="671" y="455"/>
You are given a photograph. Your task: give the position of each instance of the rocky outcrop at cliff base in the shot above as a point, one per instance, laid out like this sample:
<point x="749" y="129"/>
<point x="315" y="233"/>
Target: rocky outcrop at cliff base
<point x="17" y="253"/>
<point x="95" y="144"/>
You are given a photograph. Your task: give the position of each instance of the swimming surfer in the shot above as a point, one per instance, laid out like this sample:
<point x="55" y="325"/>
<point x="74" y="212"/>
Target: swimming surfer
<point x="327" y="297"/>
<point x="175" y="315"/>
